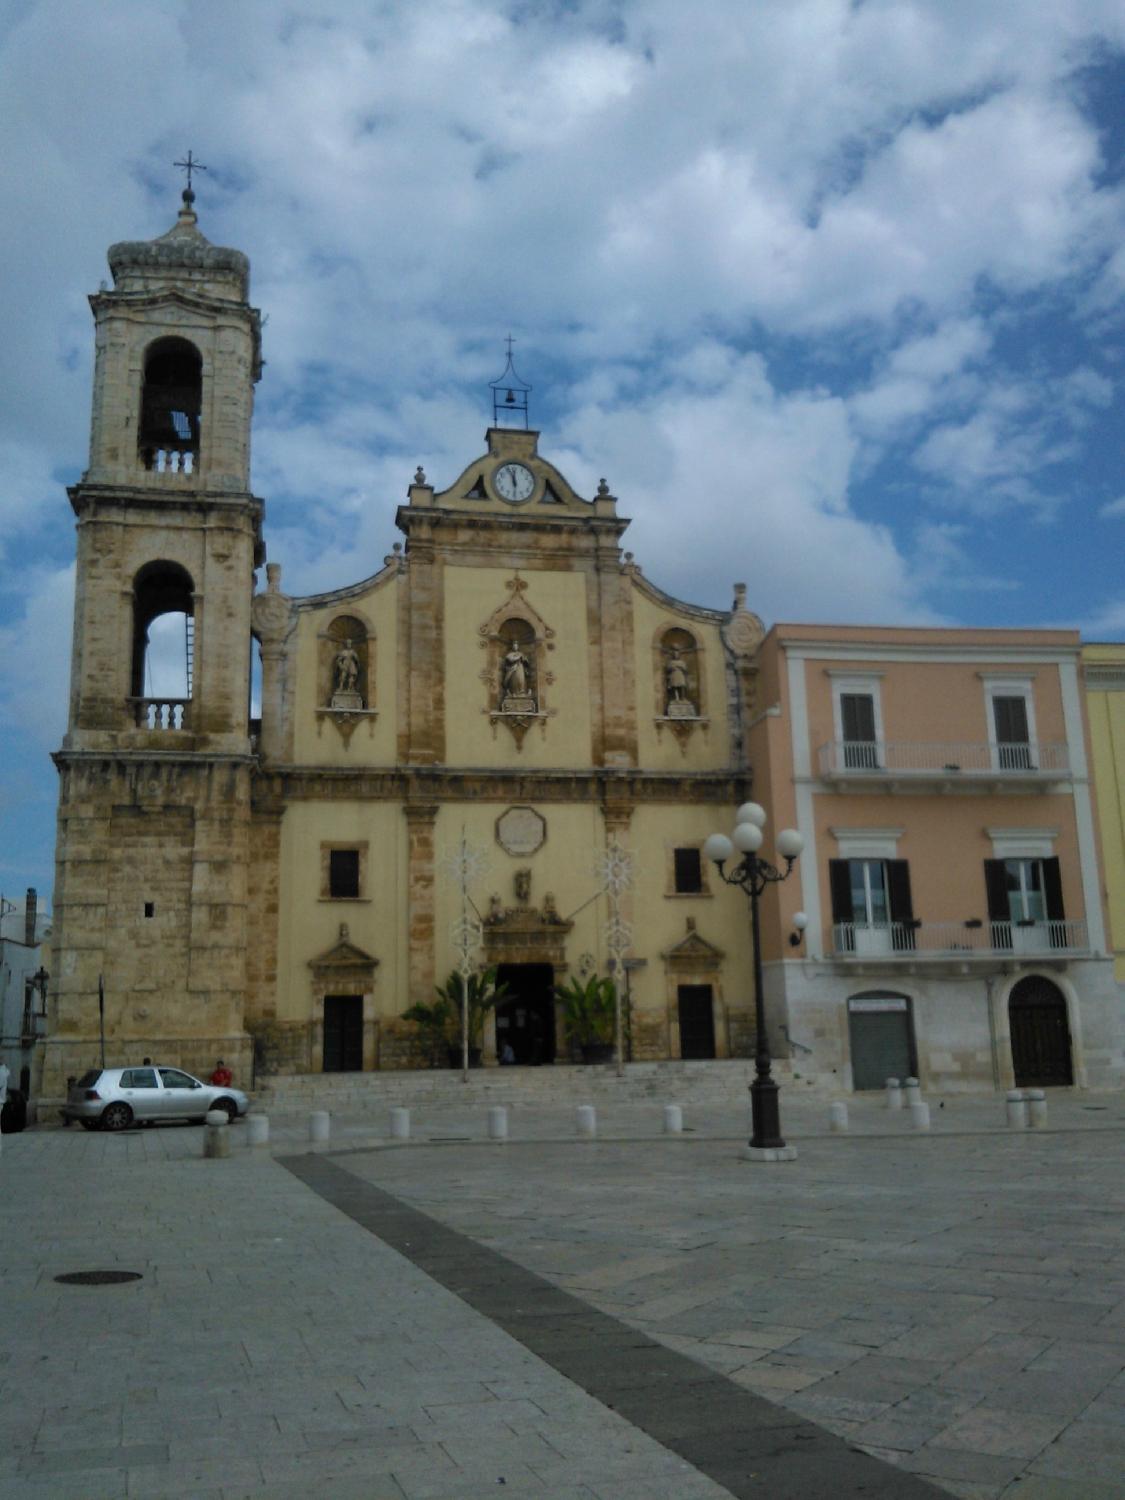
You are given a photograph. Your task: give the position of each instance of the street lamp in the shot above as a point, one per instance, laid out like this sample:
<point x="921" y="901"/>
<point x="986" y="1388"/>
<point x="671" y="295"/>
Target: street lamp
<point x="752" y="874"/>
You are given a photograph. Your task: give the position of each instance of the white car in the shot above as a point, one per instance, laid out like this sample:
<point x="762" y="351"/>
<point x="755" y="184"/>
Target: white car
<point x="115" y="1098"/>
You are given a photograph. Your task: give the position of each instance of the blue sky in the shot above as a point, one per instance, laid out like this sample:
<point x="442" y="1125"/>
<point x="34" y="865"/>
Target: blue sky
<point x="830" y="292"/>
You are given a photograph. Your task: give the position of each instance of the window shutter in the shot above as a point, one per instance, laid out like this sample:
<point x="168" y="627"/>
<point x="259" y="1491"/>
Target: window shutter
<point x="857" y="711"/>
<point x="1052" y="890"/>
<point x="840" y="885"/>
<point x="996" y="889"/>
<point x="902" y="908"/>
<point x="688" y="872"/>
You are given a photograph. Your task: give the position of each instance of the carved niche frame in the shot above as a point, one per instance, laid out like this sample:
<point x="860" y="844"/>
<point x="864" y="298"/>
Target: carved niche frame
<point x="693" y="648"/>
<point x="328" y="643"/>
<point x="517" y="607"/>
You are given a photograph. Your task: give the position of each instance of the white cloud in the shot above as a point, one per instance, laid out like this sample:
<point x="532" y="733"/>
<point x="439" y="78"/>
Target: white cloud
<point x="1112" y="509"/>
<point x="35" y="658"/>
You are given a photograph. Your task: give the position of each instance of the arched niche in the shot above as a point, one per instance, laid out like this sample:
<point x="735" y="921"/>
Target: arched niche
<point x="163" y="659"/>
<point x="346" y="664"/>
<point x="168" y="432"/>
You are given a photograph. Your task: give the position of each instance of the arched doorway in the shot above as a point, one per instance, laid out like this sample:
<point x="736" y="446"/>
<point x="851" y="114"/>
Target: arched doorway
<point x="1040" y="1032"/>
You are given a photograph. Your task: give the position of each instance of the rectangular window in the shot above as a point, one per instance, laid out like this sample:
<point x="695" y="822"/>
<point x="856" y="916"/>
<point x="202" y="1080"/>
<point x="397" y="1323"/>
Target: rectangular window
<point x="869" y="892"/>
<point x="343" y="872"/>
<point x="857" y="719"/>
<point x="688" y="872"/>
<point x="1013" y="739"/>
<point x="1027" y="901"/>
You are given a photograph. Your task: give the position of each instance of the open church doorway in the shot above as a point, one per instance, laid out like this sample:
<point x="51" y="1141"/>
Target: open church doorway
<point x="525" y="1020"/>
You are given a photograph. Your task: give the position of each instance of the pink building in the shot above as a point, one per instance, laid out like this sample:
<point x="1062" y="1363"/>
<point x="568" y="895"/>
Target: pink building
<point x="950" y="876"/>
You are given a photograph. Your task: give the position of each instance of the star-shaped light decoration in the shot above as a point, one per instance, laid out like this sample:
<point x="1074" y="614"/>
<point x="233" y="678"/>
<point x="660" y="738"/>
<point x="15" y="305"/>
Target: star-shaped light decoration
<point x="614" y="867"/>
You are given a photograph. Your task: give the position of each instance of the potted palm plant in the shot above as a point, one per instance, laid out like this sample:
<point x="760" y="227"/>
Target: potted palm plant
<point x="589" y="1010"/>
<point x="435" y="1024"/>
<point x="484" y="994"/>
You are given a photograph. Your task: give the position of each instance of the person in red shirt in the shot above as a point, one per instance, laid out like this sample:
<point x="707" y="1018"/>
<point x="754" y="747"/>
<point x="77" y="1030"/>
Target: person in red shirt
<point x="222" y="1076"/>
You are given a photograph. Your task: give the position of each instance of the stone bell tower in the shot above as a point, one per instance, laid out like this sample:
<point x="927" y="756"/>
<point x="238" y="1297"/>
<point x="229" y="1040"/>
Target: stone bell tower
<point x="152" y="850"/>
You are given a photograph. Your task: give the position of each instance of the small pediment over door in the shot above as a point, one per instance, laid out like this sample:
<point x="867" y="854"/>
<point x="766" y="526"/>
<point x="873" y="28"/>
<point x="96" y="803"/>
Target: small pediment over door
<point x="693" y="953"/>
<point x="344" y="960"/>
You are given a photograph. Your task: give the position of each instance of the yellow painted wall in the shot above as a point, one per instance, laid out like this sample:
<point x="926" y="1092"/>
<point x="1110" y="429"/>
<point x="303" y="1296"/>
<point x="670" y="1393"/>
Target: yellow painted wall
<point x="373" y="742"/>
<point x="471" y="596"/>
<point x="1106" y="713"/>
<point x="708" y="747"/>
<point x="310" y="924"/>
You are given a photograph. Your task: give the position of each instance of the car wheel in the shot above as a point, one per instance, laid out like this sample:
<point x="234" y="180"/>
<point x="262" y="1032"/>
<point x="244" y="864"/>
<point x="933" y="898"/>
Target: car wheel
<point x="229" y="1105"/>
<point x="116" y="1116"/>
<point x="88" y="1124"/>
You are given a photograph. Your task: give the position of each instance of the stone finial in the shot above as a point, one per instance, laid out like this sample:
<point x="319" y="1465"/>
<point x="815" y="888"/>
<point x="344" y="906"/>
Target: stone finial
<point x="603" y="488"/>
<point x="344" y="934"/>
<point x="419" y="475"/>
<point x="273" y="577"/>
<point x="739" y="596"/>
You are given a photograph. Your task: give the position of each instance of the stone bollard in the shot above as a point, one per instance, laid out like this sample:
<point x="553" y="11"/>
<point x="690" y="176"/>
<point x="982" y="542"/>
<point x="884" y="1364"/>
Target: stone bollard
<point x="216" y="1137"/>
<point x="586" y="1121"/>
<point x="320" y="1126"/>
<point x="1017" y="1110"/>
<point x="1036" y="1108"/>
<point x="911" y="1092"/>
<point x="919" y="1116"/>
<point x="257" y="1130"/>
<point x="894" y="1094"/>
<point x="838" y="1116"/>
<point x="498" y="1123"/>
<point x="400" y="1124"/>
<point x="673" y="1120"/>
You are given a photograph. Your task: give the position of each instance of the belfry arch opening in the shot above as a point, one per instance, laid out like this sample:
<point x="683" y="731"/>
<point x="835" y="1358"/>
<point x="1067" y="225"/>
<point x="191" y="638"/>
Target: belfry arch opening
<point x="171" y="407"/>
<point x="163" y="665"/>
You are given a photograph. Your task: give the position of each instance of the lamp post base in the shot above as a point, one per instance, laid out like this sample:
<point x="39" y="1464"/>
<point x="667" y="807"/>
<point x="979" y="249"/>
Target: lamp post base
<point x="769" y="1153"/>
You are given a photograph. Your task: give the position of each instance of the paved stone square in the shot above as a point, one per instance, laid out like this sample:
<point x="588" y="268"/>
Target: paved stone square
<point x="951" y="1303"/>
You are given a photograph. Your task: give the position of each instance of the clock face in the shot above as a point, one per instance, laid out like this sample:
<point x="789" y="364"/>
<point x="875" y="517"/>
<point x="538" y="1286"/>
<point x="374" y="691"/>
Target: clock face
<point x="513" y="482"/>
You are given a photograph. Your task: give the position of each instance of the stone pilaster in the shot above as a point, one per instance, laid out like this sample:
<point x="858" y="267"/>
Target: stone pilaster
<point x="420" y="898"/>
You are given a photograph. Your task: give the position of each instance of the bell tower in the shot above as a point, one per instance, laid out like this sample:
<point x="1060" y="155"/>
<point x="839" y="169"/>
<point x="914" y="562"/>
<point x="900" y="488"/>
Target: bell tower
<point x="153" y="827"/>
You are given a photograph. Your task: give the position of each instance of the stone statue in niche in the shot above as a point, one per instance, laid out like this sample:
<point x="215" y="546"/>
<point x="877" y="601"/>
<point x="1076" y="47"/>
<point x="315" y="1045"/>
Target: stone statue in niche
<point x="345" y="678"/>
<point x="676" y="702"/>
<point x="550" y="908"/>
<point x="522" y="883"/>
<point x="516" y="696"/>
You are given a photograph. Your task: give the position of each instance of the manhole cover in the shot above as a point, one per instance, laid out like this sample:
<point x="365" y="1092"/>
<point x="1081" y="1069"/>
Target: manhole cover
<point x="98" y="1278"/>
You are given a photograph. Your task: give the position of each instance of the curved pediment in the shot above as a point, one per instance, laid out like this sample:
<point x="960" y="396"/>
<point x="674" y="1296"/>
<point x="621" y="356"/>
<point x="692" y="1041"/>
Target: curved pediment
<point x="513" y="454"/>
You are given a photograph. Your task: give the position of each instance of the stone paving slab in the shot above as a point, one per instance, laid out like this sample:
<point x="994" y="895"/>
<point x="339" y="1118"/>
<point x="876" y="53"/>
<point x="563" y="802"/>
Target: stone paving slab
<point x="272" y="1348"/>
<point x="959" y="1377"/>
<point x="986" y="1266"/>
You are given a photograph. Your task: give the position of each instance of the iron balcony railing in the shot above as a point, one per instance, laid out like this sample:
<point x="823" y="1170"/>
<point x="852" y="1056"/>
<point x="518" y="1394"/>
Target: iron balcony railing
<point x="913" y="757"/>
<point x="955" y="939"/>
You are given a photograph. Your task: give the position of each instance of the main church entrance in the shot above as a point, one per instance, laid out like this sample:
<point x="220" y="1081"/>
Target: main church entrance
<point x="525" y="1021"/>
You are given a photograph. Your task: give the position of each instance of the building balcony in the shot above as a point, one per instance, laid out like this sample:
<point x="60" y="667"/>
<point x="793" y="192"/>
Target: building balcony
<point x="161" y="713"/>
<point x="907" y="945"/>
<point x="914" y="765"/>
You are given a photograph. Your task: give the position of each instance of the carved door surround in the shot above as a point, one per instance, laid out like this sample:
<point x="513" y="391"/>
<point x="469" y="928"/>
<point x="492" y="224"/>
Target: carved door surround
<point x="343" y="969"/>
<point x="516" y="676"/>
<point x="695" y="961"/>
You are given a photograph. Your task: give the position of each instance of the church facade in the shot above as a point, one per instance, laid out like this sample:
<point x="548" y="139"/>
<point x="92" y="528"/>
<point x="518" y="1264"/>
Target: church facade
<point x="505" y="723"/>
<point x="504" y="749"/>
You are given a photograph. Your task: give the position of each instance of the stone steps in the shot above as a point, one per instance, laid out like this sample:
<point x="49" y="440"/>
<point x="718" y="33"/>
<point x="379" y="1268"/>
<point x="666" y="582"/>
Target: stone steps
<point x="666" y="1082"/>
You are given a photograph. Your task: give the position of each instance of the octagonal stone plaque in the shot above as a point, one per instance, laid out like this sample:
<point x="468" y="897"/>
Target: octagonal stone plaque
<point x="520" y="831"/>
